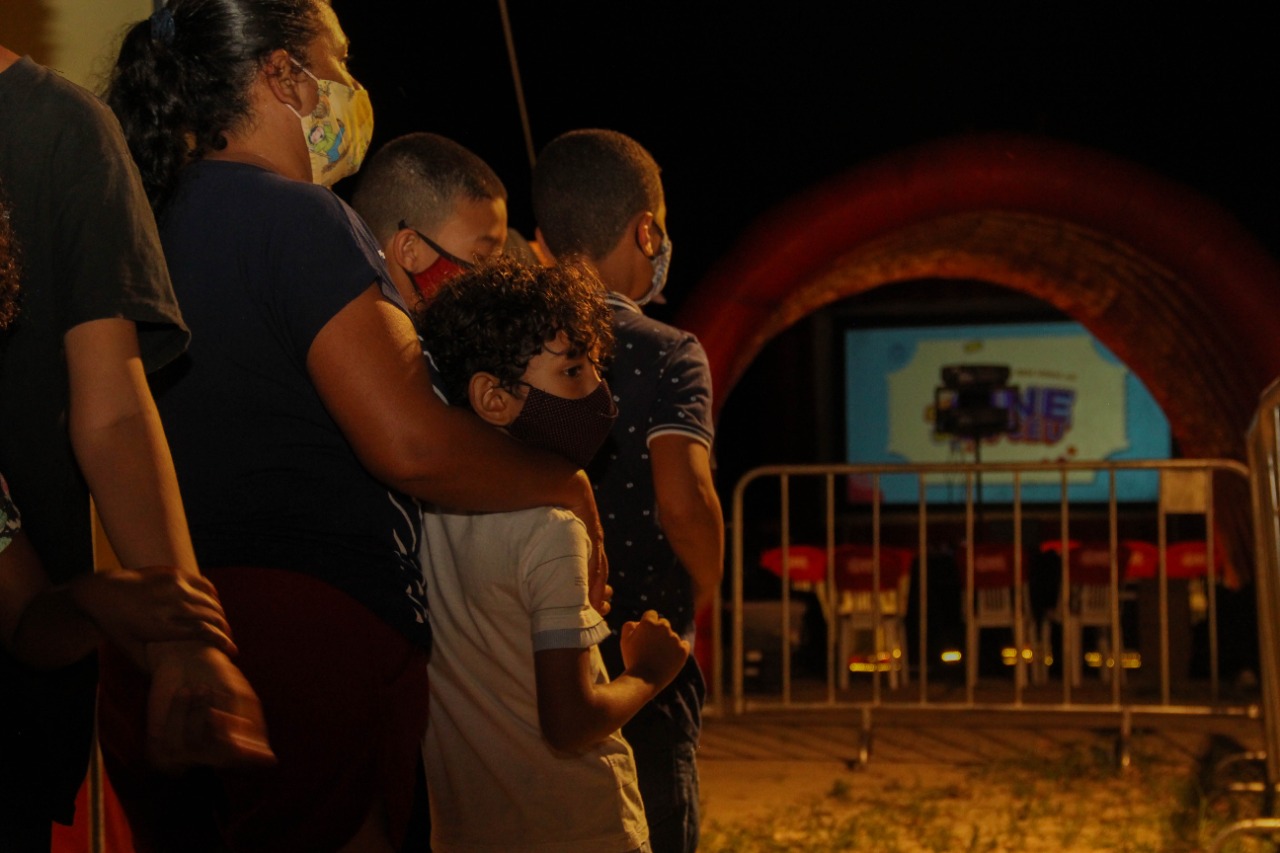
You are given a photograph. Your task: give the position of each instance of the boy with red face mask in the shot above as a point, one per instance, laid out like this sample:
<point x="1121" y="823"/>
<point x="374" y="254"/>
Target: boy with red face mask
<point x="435" y="209"/>
<point x="518" y="689"/>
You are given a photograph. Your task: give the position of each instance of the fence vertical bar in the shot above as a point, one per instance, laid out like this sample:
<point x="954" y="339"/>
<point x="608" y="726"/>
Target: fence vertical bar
<point x="833" y="609"/>
<point x="1117" y="637"/>
<point x="736" y="641"/>
<point x="1211" y="584"/>
<point x="971" y="628"/>
<point x="1264" y="466"/>
<point x="1068" y="641"/>
<point x="785" y="484"/>
<point x="922" y="550"/>
<point x="1019" y="595"/>
<point x="1162" y="587"/>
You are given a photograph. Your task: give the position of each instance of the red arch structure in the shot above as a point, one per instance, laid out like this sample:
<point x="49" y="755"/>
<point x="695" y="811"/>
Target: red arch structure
<point x="1167" y="279"/>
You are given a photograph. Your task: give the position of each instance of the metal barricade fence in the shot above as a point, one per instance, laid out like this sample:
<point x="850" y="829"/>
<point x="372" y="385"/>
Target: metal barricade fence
<point x="1185" y="487"/>
<point x="1264" y="466"/>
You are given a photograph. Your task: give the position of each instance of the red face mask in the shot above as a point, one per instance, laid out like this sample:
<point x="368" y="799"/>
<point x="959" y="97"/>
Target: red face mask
<point x="439" y="271"/>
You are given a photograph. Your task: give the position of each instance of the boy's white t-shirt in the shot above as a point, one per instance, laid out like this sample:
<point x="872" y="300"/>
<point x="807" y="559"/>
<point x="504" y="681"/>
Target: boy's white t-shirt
<point x="499" y="587"/>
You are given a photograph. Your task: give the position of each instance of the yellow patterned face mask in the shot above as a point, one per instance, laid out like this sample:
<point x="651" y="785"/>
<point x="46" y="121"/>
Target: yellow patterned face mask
<point x="338" y="131"/>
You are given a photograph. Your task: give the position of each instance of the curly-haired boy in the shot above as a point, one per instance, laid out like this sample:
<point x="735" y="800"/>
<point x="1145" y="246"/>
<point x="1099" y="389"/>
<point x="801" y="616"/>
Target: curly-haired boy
<point x="523" y="750"/>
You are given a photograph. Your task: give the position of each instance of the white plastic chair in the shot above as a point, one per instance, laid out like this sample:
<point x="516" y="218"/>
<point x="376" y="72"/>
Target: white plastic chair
<point x="874" y="607"/>
<point x="995" y="605"/>
<point x="1089" y="605"/>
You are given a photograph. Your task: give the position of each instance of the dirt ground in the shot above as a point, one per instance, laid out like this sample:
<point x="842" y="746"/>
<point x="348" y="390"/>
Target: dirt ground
<point x="990" y="785"/>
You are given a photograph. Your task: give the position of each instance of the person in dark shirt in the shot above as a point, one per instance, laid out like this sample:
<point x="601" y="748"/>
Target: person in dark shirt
<point x="303" y="425"/>
<point x="597" y="197"/>
<point x="77" y="420"/>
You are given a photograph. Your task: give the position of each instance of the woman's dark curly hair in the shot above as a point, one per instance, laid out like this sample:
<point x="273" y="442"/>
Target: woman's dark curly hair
<point x="497" y="317"/>
<point x="9" y="266"/>
<point x="182" y="78"/>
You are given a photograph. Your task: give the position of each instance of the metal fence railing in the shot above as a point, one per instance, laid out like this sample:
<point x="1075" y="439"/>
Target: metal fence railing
<point x="1264" y="466"/>
<point x="1153" y="682"/>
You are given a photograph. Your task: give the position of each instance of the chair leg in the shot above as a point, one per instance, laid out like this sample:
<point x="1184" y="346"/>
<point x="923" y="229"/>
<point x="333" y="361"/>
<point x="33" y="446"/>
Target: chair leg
<point x="843" y="651"/>
<point x="971" y="654"/>
<point x="1076" y="661"/>
<point x="891" y="641"/>
<point x="1040" y="652"/>
<point x="902" y="663"/>
<point x="1019" y="667"/>
<point x="1116" y="656"/>
<point x="886" y="646"/>
<point x="1104" y="651"/>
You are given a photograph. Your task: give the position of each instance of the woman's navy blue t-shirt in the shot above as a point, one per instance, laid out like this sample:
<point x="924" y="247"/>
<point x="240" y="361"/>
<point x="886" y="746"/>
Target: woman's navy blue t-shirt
<point x="260" y="264"/>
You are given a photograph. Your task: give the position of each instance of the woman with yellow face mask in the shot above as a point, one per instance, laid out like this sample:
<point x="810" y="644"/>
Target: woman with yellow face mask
<point x="303" y="426"/>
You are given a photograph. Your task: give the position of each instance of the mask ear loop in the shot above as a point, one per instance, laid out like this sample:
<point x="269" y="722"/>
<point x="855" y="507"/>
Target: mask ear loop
<point x="303" y="69"/>
<point x="435" y="247"/>
<point x="653" y="291"/>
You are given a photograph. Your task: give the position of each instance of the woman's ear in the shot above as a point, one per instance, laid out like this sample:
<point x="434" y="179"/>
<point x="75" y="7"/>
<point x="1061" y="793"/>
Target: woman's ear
<point x="493" y="403"/>
<point x="281" y="76"/>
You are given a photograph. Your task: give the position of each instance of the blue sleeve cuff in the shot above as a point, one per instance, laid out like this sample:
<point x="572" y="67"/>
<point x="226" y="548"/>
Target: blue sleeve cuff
<point x="571" y="638"/>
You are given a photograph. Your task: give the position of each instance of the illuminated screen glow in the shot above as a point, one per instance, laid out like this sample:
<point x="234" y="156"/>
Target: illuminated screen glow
<point x="1075" y="401"/>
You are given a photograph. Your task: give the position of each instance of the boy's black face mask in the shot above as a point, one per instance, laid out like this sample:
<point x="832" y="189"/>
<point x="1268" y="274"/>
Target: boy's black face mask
<point x="575" y="429"/>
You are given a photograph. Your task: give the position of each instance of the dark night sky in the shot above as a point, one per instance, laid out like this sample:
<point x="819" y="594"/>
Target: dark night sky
<point x="744" y="109"/>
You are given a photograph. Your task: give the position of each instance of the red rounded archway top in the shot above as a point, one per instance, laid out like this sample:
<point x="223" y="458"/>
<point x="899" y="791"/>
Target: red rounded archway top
<point x="1166" y="279"/>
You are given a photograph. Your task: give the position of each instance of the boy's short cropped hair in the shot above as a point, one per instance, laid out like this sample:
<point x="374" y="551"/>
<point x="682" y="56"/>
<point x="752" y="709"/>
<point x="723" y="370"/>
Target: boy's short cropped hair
<point x="587" y="185"/>
<point x="417" y="178"/>
<point x="496" y="317"/>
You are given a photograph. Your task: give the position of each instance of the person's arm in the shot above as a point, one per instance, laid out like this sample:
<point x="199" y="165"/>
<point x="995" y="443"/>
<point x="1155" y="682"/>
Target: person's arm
<point x="47" y="626"/>
<point x="367" y="365"/>
<point x="575" y="712"/>
<point x="689" y="510"/>
<point x="120" y="446"/>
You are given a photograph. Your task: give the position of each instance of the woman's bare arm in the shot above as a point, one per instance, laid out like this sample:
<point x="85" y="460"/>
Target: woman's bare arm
<point x="368" y="367"/>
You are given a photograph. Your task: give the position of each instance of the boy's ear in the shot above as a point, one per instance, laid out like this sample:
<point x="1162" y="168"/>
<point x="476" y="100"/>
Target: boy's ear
<point x="646" y="236"/>
<point x="493" y="403"/>
<point x="405" y="249"/>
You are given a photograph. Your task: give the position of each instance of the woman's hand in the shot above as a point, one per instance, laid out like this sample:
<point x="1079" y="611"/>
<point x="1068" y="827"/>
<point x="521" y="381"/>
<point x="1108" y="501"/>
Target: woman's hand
<point x="598" y="590"/>
<point x="133" y="608"/>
